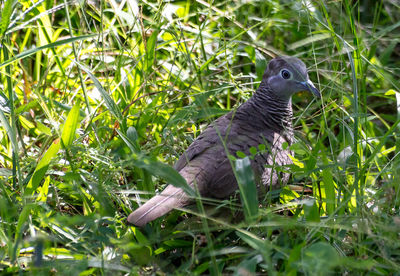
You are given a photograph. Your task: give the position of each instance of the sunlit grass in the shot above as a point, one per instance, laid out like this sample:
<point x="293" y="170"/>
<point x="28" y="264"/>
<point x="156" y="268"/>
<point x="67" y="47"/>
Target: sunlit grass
<point x="96" y="99"/>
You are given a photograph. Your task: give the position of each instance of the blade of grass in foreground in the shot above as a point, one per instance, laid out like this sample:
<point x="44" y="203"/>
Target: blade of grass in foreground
<point x="5" y="16"/>
<point x="50" y="45"/>
<point x="110" y="103"/>
<point x="67" y="136"/>
<point x="157" y="168"/>
<point x="247" y="187"/>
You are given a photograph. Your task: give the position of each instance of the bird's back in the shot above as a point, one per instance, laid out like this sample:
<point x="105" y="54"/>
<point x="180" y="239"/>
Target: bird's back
<point x="206" y="163"/>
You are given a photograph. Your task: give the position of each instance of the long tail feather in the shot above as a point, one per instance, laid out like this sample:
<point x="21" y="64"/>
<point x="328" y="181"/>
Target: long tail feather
<point x="158" y="206"/>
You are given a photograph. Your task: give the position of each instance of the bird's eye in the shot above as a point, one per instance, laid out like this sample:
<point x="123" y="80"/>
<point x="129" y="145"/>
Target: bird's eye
<point x="285" y="74"/>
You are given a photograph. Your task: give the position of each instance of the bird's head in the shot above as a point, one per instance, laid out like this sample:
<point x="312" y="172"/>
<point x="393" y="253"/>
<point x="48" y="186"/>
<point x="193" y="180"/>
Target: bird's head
<point x="288" y="75"/>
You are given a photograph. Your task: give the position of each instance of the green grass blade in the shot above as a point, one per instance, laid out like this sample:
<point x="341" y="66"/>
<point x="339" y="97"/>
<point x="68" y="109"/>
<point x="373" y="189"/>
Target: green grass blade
<point x="6" y="15"/>
<point x="157" y="168"/>
<point x="47" y="46"/>
<point x="70" y="126"/>
<point x="110" y="103"/>
<point x="247" y="187"/>
<point x="329" y="186"/>
<point x="11" y="134"/>
<point x="22" y="219"/>
<point x="42" y="167"/>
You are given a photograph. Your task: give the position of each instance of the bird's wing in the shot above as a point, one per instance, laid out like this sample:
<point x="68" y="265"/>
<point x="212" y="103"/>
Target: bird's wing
<point x="209" y="138"/>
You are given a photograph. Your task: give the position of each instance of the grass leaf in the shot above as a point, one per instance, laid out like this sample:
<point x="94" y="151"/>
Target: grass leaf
<point x="247" y="187"/>
<point x="6" y="15"/>
<point x="110" y="103"/>
<point x="157" y="168"/>
<point x="70" y="126"/>
<point x="42" y="167"/>
<point x="47" y="46"/>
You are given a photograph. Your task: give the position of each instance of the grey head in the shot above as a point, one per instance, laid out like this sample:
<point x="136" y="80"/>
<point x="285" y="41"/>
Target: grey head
<point x="286" y="76"/>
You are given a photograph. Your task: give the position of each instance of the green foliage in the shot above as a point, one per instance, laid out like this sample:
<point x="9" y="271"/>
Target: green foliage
<point x="247" y="188"/>
<point x="99" y="99"/>
<point x="5" y="16"/>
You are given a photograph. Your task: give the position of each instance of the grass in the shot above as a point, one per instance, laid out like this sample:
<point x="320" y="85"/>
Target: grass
<point x="99" y="99"/>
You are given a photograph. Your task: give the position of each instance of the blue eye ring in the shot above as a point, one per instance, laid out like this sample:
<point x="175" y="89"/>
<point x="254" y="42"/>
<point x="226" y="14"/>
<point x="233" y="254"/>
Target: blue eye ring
<point x="286" y="74"/>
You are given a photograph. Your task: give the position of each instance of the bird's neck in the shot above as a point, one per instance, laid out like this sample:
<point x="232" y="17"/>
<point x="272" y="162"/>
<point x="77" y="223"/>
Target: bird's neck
<point x="265" y="110"/>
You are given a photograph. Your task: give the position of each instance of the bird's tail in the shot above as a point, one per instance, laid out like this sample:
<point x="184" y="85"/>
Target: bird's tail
<point x="172" y="197"/>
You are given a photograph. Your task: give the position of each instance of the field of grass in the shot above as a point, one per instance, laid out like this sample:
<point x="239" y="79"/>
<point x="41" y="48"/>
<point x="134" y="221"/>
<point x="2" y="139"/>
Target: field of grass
<point x="98" y="99"/>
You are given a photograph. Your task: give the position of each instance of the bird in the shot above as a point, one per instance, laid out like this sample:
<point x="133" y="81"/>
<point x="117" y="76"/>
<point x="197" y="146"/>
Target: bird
<point x="265" y="118"/>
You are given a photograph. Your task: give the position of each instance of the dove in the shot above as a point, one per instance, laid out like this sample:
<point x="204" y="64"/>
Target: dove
<point x="266" y="118"/>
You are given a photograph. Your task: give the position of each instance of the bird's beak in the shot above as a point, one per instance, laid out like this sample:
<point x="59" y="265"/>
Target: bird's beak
<point x="309" y="86"/>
